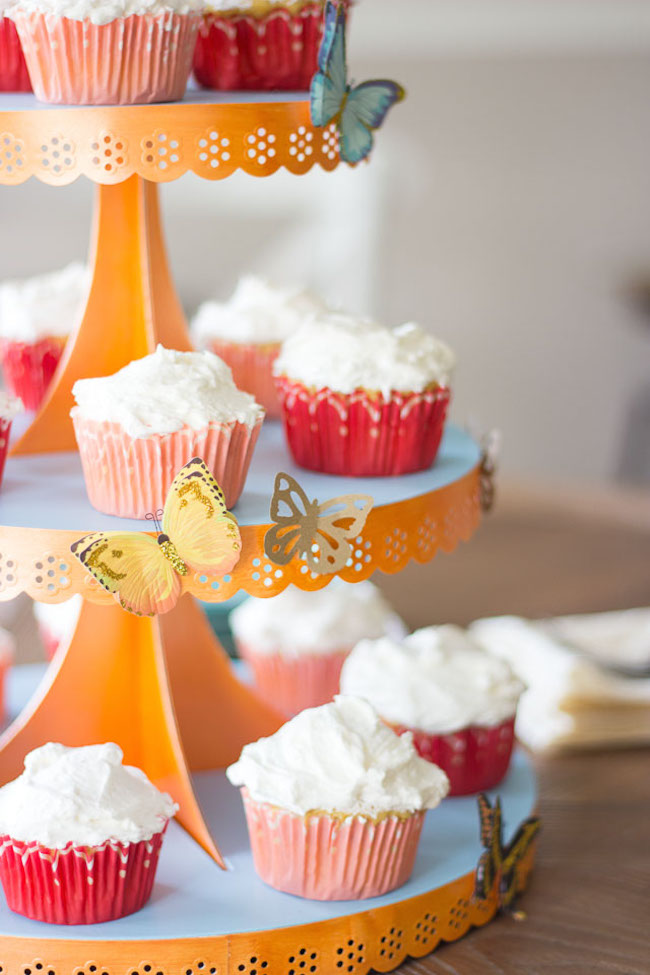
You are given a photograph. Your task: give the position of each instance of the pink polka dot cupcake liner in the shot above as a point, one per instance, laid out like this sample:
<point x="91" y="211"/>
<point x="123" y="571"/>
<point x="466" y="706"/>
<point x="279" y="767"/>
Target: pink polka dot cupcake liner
<point x="133" y="60"/>
<point x="29" y="368"/>
<point x="328" y="858"/>
<point x="78" y="884"/>
<point x="278" y="51"/>
<point x="252" y="370"/>
<point x="13" y="69"/>
<point x="131" y="477"/>
<point x="474" y="759"/>
<point x="292" y="684"/>
<point x="362" y="434"/>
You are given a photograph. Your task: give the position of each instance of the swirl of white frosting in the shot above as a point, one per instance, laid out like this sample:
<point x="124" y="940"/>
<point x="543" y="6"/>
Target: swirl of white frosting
<point x="100" y="12"/>
<point x="343" y="353"/>
<point x="42" y="306"/>
<point x="257" y="312"/>
<point x="294" y="622"/>
<point x="10" y="406"/>
<point x="164" y="392"/>
<point x="83" y="796"/>
<point x="339" y="758"/>
<point x="437" y="680"/>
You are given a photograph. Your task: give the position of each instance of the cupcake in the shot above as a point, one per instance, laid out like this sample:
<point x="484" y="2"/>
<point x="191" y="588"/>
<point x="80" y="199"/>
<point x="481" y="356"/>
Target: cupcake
<point x="80" y="835"/>
<point x="13" y="70"/>
<point x="9" y="407"/>
<point x="457" y="701"/>
<point x="36" y="317"/>
<point x="56" y="622"/>
<point x="80" y="52"/>
<point x="7" y="652"/>
<point x="335" y="803"/>
<point x="137" y="428"/>
<point x="360" y="399"/>
<point x="247" y="332"/>
<point x="295" y="643"/>
<point x="260" y="44"/>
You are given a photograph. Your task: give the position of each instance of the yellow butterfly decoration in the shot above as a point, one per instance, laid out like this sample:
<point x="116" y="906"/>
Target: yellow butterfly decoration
<point x="317" y="532"/>
<point x="199" y="534"/>
<point x="500" y="863"/>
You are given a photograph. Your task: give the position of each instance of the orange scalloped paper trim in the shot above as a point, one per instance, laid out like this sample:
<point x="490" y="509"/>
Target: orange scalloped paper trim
<point x="162" y="142"/>
<point x="40" y="563"/>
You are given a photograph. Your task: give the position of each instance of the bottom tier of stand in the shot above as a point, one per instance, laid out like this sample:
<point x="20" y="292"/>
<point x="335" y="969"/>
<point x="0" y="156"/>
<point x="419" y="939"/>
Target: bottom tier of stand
<point x="204" y="920"/>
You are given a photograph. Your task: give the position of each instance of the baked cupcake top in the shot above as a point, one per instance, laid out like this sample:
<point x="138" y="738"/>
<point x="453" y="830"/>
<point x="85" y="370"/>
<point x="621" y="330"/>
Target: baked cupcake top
<point x="339" y="758"/>
<point x="257" y="312"/>
<point x="164" y="392"/>
<point x="10" y="406"/>
<point x="42" y="306"/>
<point x="437" y="680"/>
<point x="344" y="354"/>
<point x="255" y="8"/>
<point x="83" y="796"/>
<point x="294" y="622"/>
<point x="104" y="11"/>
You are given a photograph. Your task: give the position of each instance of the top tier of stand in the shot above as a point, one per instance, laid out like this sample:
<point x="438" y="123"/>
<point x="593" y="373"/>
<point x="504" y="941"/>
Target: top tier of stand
<point x="212" y="134"/>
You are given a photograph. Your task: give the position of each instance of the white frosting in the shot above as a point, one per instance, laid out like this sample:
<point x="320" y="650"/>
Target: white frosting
<point x="257" y="312"/>
<point x="104" y="11"/>
<point x="339" y="758"/>
<point x="10" y="406"/>
<point x="83" y="796"/>
<point x="47" y="305"/>
<point x="59" y="619"/>
<point x="437" y="680"/>
<point x="345" y="353"/>
<point x="166" y="391"/>
<point x="294" y="622"/>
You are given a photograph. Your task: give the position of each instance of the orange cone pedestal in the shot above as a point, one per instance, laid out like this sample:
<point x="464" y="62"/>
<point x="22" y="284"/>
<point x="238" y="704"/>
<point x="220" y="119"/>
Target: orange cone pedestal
<point x="162" y="688"/>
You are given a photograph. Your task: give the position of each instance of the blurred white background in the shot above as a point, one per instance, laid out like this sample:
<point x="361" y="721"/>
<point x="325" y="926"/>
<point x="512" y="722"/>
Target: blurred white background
<point x="507" y="207"/>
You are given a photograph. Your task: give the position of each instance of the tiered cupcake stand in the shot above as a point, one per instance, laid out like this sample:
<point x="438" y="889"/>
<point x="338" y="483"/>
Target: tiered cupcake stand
<point x="163" y="688"/>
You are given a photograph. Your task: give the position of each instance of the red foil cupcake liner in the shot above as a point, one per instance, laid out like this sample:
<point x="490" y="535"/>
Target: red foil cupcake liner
<point x="133" y="60"/>
<point x="78" y="884"/>
<point x="13" y="70"/>
<point x="252" y="370"/>
<point x="131" y="476"/>
<point x="292" y="684"/>
<point x="362" y="435"/>
<point x="329" y="858"/>
<point x="278" y="51"/>
<point x="29" y="367"/>
<point x="474" y="759"/>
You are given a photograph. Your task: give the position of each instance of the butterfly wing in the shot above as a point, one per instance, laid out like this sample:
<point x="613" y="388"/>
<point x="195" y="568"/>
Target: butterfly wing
<point x="295" y="521"/>
<point x="132" y="567"/>
<point x="329" y="84"/>
<point x="204" y="533"/>
<point x="338" y="519"/>
<point x="365" y="109"/>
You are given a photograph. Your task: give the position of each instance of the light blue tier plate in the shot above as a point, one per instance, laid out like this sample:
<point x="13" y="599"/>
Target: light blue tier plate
<point x="47" y="491"/>
<point x="193" y="898"/>
<point x="25" y="101"/>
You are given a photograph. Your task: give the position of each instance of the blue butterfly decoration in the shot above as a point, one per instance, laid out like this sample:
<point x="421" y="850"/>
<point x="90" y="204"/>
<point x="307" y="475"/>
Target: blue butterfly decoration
<point x="358" y="110"/>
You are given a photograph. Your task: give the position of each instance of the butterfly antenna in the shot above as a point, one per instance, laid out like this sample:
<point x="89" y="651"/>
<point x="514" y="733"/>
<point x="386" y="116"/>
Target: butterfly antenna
<point x="155" y="516"/>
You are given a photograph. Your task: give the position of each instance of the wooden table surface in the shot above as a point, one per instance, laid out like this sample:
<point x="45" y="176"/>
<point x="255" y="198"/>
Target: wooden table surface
<point x="546" y="552"/>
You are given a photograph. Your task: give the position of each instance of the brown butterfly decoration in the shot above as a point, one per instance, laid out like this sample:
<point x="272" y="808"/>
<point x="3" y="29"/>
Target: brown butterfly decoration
<point x="317" y="532"/>
<point x="498" y="862"/>
<point x="488" y="469"/>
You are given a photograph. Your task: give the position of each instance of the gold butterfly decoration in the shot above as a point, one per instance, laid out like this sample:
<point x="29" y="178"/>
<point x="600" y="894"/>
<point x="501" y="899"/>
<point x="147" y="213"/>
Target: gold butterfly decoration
<point x="500" y="863"/>
<point x="317" y="532"/>
<point x="198" y="534"/>
<point x="488" y="469"/>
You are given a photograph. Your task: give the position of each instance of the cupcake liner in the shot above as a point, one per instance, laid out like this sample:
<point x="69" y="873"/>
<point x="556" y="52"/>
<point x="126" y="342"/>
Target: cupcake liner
<point x="133" y="60"/>
<point x="130" y="477"/>
<point x="252" y="370"/>
<point x="474" y="758"/>
<point x="78" y="884"/>
<point x="5" y="430"/>
<point x="13" y="70"/>
<point x="276" y="51"/>
<point x="362" y="434"/>
<point x="328" y="857"/>
<point x="29" y="367"/>
<point x="292" y="684"/>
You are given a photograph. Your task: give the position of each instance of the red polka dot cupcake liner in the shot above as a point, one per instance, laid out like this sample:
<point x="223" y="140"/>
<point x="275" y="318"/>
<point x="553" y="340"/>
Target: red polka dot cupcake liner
<point x="292" y="684"/>
<point x="13" y="69"/>
<point x="78" y="884"/>
<point x="362" y="434"/>
<point x="474" y="759"/>
<point x="29" y="368"/>
<point x="277" y="51"/>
